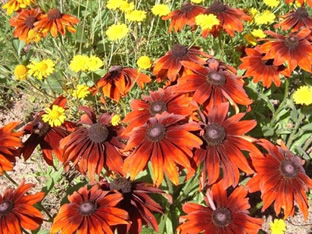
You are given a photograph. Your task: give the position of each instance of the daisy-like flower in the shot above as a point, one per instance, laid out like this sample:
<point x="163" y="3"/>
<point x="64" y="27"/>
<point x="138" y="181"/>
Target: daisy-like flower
<point x="136" y="15"/>
<point x="33" y="36"/>
<point x="301" y="2"/>
<point x="231" y="19"/>
<point x="271" y="3"/>
<point x="113" y="4"/>
<point x="9" y="143"/>
<point x="94" y="63"/>
<point x="16" y="5"/>
<point x="213" y="84"/>
<point x="90" y="211"/>
<point x="166" y="142"/>
<point x="261" y="69"/>
<point x="266" y="17"/>
<point x="295" y="49"/>
<point x="278" y="226"/>
<point x="170" y="65"/>
<point x="79" y="63"/>
<point x="144" y="62"/>
<point x="115" y="120"/>
<point x="17" y="210"/>
<point x="224" y="140"/>
<point x="55" y="116"/>
<point x="81" y="92"/>
<point x="303" y="95"/>
<point x="117" y="31"/>
<point x="126" y="6"/>
<point x="206" y="21"/>
<point x="41" y="69"/>
<point x="119" y="81"/>
<point x="156" y="103"/>
<point x="20" y="72"/>
<point x="281" y="179"/>
<point x="184" y="16"/>
<point x="94" y="145"/>
<point x="296" y="20"/>
<point x="24" y="22"/>
<point x="250" y="39"/>
<point x="56" y="22"/>
<point x="137" y="202"/>
<point x="223" y="214"/>
<point x="161" y="9"/>
<point x="258" y="33"/>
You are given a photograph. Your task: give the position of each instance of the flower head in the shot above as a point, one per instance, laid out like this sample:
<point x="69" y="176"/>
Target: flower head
<point x="55" y="116"/>
<point x="303" y="95"/>
<point x="271" y="3"/>
<point x="197" y="1"/>
<point x="207" y="21"/>
<point x="250" y="39"/>
<point x="161" y="9"/>
<point x="258" y="33"/>
<point x="125" y="6"/>
<point x="136" y="15"/>
<point x="79" y="63"/>
<point x="144" y="62"/>
<point x="115" y="120"/>
<point x="33" y="36"/>
<point x="16" y="5"/>
<point x="94" y="63"/>
<point x="81" y="92"/>
<point x="113" y="4"/>
<point x="41" y="69"/>
<point x="20" y="72"/>
<point x="266" y="17"/>
<point x="117" y="31"/>
<point x="278" y="226"/>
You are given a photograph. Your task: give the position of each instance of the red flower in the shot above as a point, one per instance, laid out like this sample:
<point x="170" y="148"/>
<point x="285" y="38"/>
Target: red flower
<point x="166" y="142"/>
<point x="281" y="179"/>
<point x="17" y="210"/>
<point x="9" y="142"/>
<point x="294" y="49"/>
<point x="231" y="19"/>
<point x="170" y="65"/>
<point x="301" y="2"/>
<point x="158" y="102"/>
<point x="262" y="69"/>
<point x="93" y="145"/>
<point x="90" y="211"/>
<point x="184" y="16"/>
<point x="224" y="214"/>
<point x="119" y="81"/>
<point x="224" y="140"/>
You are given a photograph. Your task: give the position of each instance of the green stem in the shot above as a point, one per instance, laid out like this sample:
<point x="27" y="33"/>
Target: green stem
<point x="294" y="131"/>
<point x="281" y="106"/>
<point x="83" y="27"/>
<point x="169" y="184"/>
<point x="10" y="178"/>
<point x="307" y="144"/>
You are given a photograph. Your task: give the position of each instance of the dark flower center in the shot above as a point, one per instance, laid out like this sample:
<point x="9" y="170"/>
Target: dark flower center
<point x="5" y="207"/>
<point x="30" y="20"/>
<point x="98" y="133"/>
<point x="121" y="184"/>
<point x="54" y="14"/>
<point x="289" y="169"/>
<point x="217" y="7"/>
<point x="221" y="217"/>
<point x="158" y="107"/>
<point x="156" y="132"/>
<point x="301" y="12"/>
<point x="187" y="7"/>
<point x="87" y="208"/>
<point x="214" y="134"/>
<point x="268" y="62"/>
<point x="216" y="78"/>
<point x="40" y="128"/>
<point x="291" y="42"/>
<point x="178" y="51"/>
<point x="115" y="68"/>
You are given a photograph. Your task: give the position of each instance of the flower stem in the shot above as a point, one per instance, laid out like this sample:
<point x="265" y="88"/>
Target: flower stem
<point x="281" y="106"/>
<point x="294" y="131"/>
<point x="10" y="178"/>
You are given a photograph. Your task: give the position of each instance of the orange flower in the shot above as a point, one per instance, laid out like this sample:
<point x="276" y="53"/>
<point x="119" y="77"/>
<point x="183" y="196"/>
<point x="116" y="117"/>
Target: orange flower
<point x="119" y="81"/>
<point x="9" y="141"/>
<point x="17" y="210"/>
<point x="301" y="2"/>
<point x="281" y="179"/>
<point x="90" y="211"/>
<point x="185" y="16"/>
<point x="24" y="21"/>
<point x="54" y="21"/>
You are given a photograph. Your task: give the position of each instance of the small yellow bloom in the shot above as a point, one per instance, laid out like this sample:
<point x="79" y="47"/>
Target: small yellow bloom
<point x="117" y="31"/>
<point x="206" y="21"/>
<point x="115" y="120"/>
<point x="15" y="5"/>
<point x="81" y="92"/>
<point x="258" y="33"/>
<point x="303" y="95"/>
<point x="278" y="226"/>
<point x="136" y="15"/>
<point x="94" y="63"/>
<point x="41" y="69"/>
<point x="266" y="17"/>
<point x="113" y="4"/>
<point x="126" y="7"/>
<point x="33" y="36"/>
<point x="161" y="9"/>
<point x="253" y="11"/>
<point x="144" y="62"/>
<point x="271" y="3"/>
<point x="196" y="1"/>
<point x="55" y="116"/>
<point x="20" y="72"/>
<point x="79" y="63"/>
<point x="250" y="39"/>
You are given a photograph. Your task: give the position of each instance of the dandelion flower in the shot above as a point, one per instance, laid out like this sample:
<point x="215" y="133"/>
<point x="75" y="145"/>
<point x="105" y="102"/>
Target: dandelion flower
<point x="303" y="95"/>
<point x="271" y="3"/>
<point x="126" y="7"/>
<point x="20" y="72"/>
<point x="206" y="21"/>
<point x="117" y="31"/>
<point x="16" y="5"/>
<point x="160" y="9"/>
<point x="278" y="226"/>
<point x="258" y="33"/>
<point x="266" y="17"/>
<point x="115" y="120"/>
<point x="144" y="62"/>
<point x="94" y="63"/>
<point x="136" y="15"/>
<point x="79" y="63"/>
<point x="55" y="116"/>
<point x="81" y="92"/>
<point x="41" y="69"/>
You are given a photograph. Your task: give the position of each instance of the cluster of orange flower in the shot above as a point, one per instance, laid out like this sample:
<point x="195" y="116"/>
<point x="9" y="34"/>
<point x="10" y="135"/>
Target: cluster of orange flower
<point x="182" y="126"/>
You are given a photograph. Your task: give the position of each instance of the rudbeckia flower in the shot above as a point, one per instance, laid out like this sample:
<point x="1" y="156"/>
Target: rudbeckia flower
<point x="223" y="213"/>
<point x="9" y="143"/>
<point x="281" y="179"/>
<point x="16" y="5"/>
<point x="164" y="141"/>
<point x="17" y="211"/>
<point x="301" y="2"/>
<point x="90" y="211"/>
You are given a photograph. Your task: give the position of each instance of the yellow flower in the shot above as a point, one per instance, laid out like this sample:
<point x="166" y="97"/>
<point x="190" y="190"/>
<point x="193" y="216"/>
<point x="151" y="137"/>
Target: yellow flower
<point x="253" y="11"/>
<point x="206" y="21"/>
<point x="303" y="95"/>
<point x="126" y="7"/>
<point x="258" y="33"/>
<point x="55" y="116"/>
<point x="144" y="62"/>
<point x="278" y="226"/>
<point x="117" y="31"/>
<point x="250" y="39"/>
<point x="81" y="92"/>
<point x="271" y="3"/>
<point x="266" y="17"/>
<point x="94" y="63"/>
<point x="33" y="36"/>
<point x="161" y="9"/>
<point x="115" y="120"/>
<point x="41" y="69"/>
<point x="15" y="5"/>
<point x="196" y="1"/>
<point x="20" y="72"/>
<point x="136" y="15"/>
<point x="113" y="4"/>
<point x="79" y="63"/>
